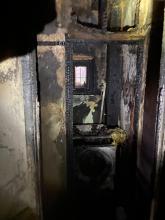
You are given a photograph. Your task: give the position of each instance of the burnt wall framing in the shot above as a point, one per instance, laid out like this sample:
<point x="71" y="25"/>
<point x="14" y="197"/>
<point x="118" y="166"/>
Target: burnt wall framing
<point x="140" y="80"/>
<point x="69" y="112"/>
<point x="114" y="64"/>
<point x="31" y="106"/>
<point x="103" y="18"/>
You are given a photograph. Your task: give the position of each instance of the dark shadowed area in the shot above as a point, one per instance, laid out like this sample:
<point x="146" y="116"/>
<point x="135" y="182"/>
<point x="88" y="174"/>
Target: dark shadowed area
<point x="20" y="22"/>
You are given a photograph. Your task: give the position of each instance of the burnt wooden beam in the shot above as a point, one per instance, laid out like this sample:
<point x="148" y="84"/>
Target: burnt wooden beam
<point x="103" y="19"/>
<point x="96" y="35"/>
<point x="69" y="115"/>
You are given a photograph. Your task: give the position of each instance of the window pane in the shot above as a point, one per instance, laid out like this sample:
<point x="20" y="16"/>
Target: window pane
<point x="83" y="81"/>
<point x="80" y="76"/>
<point x="77" y="82"/>
<point x="77" y="71"/>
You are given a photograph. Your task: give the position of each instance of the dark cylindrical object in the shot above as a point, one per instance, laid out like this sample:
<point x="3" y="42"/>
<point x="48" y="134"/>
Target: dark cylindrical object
<point x="96" y="163"/>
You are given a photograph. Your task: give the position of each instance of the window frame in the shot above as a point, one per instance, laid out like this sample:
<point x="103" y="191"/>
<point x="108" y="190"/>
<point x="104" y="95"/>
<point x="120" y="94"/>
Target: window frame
<point x="80" y="77"/>
<point x="90" y="85"/>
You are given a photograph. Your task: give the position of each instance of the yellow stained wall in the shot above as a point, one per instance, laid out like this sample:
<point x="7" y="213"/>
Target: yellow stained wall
<point x="145" y="13"/>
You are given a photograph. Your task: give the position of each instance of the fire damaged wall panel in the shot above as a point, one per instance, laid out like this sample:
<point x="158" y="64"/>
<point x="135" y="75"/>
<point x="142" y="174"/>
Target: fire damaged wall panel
<point x="125" y="86"/>
<point x="122" y="70"/>
<point x="114" y="19"/>
<point x="88" y="106"/>
<point x="51" y="68"/>
<point x="129" y="55"/>
<point x="17" y="195"/>
<point x="122" y="13"/>
<point x="114" y="83"/>
<point x="145" y="13"/>
<point x="142" y="69"/>
<point x="115" y="15"/>
<point x="127" y="14"/>
<point x="86" y="12"/>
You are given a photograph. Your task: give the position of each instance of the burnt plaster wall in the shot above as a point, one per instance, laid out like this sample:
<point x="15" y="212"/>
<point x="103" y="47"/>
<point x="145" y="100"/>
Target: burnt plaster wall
<point x="141" y="122"/>
<point x="133" y="92"/>
<point x="128" y="14"/>
<point x="86" y="11"/>
<point x="146" y="163"/>
<point x="159" y="192"/>
<point x="86" y="108"/>
<point x="17" y="193"/>
<point x="152" y="137"/>
<point x="145" y="13"/>
<point x="64" y="10"/>
<point x="121" y="15"/>
<point x="129" y="55"/>
<point x="51" y="69"/>
<point x="126" y="82"/>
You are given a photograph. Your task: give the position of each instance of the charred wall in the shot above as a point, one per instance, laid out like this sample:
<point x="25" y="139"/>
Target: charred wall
<point x="51" y="70"/>
<point x="126" y="66"/>
<point x="148" y="151"/>
<point x="17" y="184"/>
<point x="117" y="15"/>
<point x="17" y="181"/>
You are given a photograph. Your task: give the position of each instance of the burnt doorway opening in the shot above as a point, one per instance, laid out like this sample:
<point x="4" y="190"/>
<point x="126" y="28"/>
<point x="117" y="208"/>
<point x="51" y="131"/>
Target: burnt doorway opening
<point x="94" y="75"/>
<point x="91" y="157"/>
<point x="104" y="97"/>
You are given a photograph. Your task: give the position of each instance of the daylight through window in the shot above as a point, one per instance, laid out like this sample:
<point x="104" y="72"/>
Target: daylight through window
<point x="80" y="76"/>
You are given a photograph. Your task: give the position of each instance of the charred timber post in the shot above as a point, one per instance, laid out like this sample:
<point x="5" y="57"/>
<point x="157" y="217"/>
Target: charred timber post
<point x="103" y="19"/>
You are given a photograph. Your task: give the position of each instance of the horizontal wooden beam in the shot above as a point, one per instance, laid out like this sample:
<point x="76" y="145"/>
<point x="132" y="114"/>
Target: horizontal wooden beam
<point x="97" y="35"/>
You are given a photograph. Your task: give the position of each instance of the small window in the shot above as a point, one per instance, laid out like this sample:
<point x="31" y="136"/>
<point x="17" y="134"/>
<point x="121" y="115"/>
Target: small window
<point x="80" y="77"/>
<point x="83" y="76"/>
